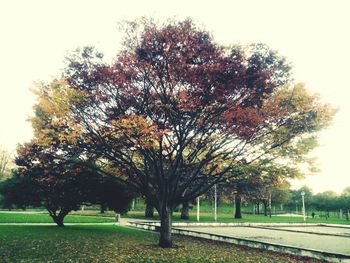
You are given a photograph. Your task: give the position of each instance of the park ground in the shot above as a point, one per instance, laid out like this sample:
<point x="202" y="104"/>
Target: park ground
<point x="111" y="243"/>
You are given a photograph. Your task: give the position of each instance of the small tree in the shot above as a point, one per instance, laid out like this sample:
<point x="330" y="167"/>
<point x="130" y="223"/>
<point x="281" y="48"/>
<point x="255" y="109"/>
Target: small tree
<point x="59" y="185"/>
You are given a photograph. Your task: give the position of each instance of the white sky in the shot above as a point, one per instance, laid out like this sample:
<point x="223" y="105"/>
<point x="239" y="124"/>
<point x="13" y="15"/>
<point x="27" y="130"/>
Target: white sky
<point x="314" y="35"/>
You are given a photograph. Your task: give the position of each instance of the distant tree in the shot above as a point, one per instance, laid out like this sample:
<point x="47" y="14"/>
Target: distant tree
<point x="19" y="192"/>
<point x="149" y="209"/>
<point x="344" y="201"/>
<point x="60" y="185"/>
<point x="346" y="191"/>
<point x="295" y="201"/>
<point x="45" y="179"/>
<point x="185" y="210"/>
<point x="114" y="194"/>
<point x="5" y="162"/>
<point x="326" y="201"/>
<point x="259" y="182"/>
<point x="308" y="194"/>
<point x="281" y="194"/>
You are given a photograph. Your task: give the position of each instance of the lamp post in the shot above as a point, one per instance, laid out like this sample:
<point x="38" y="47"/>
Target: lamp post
<point x="234" y="202"/>
<point x="198" y="208"/>
<point x="215" y="203"/>
<point x="303" y="200"/>
<point x="270" y="200"/>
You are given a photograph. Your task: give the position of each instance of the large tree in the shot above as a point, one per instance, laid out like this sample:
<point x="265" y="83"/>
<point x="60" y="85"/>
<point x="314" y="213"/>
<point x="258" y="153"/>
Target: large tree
<point x="175" y="110"/>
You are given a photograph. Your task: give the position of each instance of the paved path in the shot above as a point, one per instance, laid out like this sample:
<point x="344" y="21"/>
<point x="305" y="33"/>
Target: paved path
<point x="322" y="230"/>
<point x="277" y="235"/>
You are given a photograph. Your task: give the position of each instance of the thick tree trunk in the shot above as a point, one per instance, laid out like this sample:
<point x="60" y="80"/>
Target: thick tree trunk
<point x="185" y="214"/>
<point x="165" y="227"/>
<point x="58" y="220"/>
<point x="265" y="208"/>
<point x="102" y="208"/>
<point x="258" y="208"/>
<point x="149" y="212"/>
<point x="238" y="213"/>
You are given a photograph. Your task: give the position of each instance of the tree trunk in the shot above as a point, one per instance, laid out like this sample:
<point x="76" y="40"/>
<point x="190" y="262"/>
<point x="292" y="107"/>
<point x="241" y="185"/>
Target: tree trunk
<point x="103" y="208"/>
<point x="258" y="208"/>
<point x="165" y="227"/>
<point x="238" y="213"/>
<point x="58" y="220"/>
<point x="265" y="208"/>
<point x="185" y="214"/>
<point x="149" y="212"/>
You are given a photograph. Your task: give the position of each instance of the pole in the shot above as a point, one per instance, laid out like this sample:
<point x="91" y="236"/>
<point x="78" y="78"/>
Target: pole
<point x="198" y="208"/>
<point x="234" y="205"/>
<point x="215" y="203"/>
<point x="270" y="204"/>
<point x="302" y="197"/>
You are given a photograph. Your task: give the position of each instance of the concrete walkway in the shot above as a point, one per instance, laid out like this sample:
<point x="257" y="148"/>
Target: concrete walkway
<point x="329" y="243"/>
<point x="302" y="237"/>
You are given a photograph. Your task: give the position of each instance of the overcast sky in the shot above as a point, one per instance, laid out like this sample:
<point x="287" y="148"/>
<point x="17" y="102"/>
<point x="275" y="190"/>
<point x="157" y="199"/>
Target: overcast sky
<point x="313" y="35"/>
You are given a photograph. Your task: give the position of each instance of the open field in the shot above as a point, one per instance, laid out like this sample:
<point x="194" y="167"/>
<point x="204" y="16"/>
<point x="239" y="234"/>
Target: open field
<point x="94" y="216"/>
<point x="45" y="218"/>
<point x="222" y="217"/>
<point x="209" y="217"/>
<point x="118" y="244"/>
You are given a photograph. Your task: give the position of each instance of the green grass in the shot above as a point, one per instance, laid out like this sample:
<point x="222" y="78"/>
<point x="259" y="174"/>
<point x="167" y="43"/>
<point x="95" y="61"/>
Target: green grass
<point x="117" y="244"/>
<point x="93" y="213"/>
<point x="91" y="216"/>
<point x="45" y="218"/>
<point x="222" y="217"/>
<point x="225" y="218"/>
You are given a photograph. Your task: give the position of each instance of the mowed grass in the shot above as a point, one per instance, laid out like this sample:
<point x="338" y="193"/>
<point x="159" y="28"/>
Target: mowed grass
<point x="45" y="218"/>
<point x="225" y="218"/>
<point x="222" y="217"/>
<point x="106" y="243"/>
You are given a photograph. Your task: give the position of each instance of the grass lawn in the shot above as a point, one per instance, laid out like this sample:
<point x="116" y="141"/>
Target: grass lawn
<point x="45" y="218"/>
<point x="225" y="214"/>
<point x="117" y="244"/>
<point x="223" y="217"/>
<point x="208" y="217"/>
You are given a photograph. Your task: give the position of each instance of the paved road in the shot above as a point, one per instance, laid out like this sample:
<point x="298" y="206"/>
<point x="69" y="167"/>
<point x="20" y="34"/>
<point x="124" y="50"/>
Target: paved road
<point x="278" y="235"/>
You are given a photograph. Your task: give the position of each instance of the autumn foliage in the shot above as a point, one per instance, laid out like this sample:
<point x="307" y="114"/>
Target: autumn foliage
<point x="175" y="111"/>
